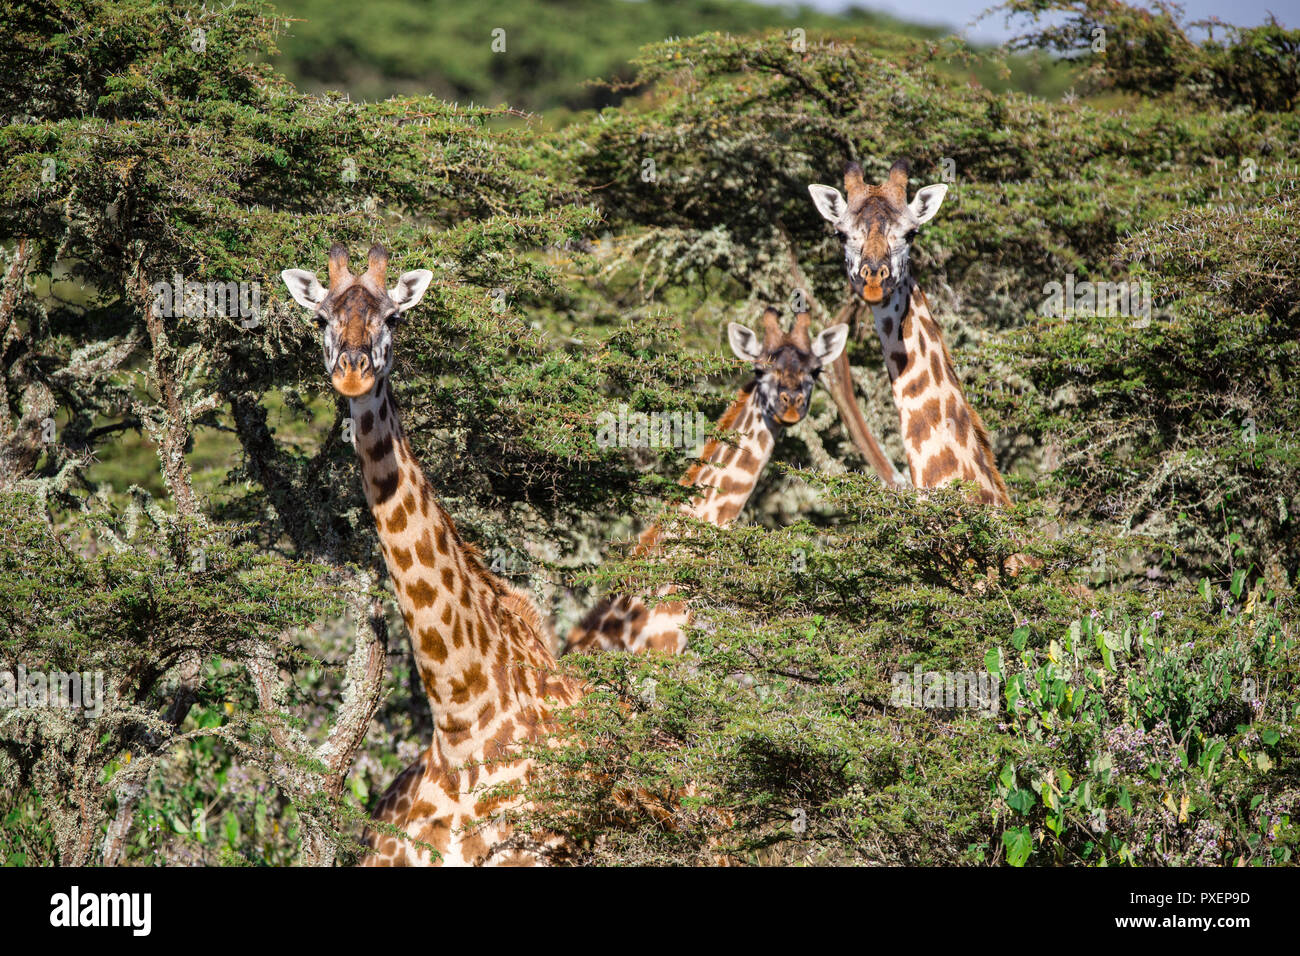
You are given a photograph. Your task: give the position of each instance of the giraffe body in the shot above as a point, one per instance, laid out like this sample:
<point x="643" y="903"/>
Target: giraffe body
<point x="943" y="436"/>
<point x="480" y="647"/>
<point x="786" y="368"/>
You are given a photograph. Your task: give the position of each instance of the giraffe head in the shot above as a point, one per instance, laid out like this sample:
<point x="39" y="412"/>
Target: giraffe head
<point x="356" y="315"/>
<point x="786" y="364"/>
<point x="876" y="224"/>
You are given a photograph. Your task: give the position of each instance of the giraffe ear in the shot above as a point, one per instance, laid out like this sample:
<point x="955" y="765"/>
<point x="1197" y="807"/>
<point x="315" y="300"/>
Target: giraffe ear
<point x="410" y="289"/>
<point x="926" y="202"/>
<point x="830" y="343"/>
<point x="304" y="287"/>
<point x="743" y="342"/>
<point x="829" y="202"/>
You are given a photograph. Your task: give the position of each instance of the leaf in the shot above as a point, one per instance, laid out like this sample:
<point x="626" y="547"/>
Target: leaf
<point x="1270" y="737"/>
<point x="993" y="662"/>
<point x="1019" y="844"/>
<point x="1022" y="801"/>
<point x="1020" y="637"/>
<point x="1238" y="581"/>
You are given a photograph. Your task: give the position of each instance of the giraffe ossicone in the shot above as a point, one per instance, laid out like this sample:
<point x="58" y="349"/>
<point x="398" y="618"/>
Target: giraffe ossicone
<point x="943" y="436"/>
<point x="480" y="646"/>
<point x="786" y="367"/>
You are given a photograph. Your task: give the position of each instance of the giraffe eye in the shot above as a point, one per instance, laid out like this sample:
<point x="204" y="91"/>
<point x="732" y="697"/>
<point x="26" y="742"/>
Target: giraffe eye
<point x="393" y="318"/>
<point x="909" y="235"/>
<point x="321" y="320"/>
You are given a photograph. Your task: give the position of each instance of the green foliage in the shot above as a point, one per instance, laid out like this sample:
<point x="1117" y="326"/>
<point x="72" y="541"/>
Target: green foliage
<point x="545" y="58"/>
<point x="1146" y="51"/>
<point x="1144" y="727"/>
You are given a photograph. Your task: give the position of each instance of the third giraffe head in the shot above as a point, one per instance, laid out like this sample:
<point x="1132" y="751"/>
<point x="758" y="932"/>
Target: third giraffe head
<point x="876" y="225"/>
<point x="786" y="364"/>
<point x="356" y="315"/>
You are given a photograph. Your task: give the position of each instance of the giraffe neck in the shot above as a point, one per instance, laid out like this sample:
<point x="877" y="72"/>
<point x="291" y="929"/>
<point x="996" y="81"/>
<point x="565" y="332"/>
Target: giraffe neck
<point x="467" y="628"/>
<point x="728" y="471"/>
<point x="943" y="436"/>
<point x="724" y="479"/>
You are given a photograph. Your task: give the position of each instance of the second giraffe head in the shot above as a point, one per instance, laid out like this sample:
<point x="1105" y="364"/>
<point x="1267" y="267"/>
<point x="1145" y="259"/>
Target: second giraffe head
<point x="786" y="364"/>
<point x="876" y="225"/>
<point x="356" y="315"/>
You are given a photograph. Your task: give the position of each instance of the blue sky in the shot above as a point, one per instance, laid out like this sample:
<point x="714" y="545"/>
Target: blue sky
<point x="959" y="13"/>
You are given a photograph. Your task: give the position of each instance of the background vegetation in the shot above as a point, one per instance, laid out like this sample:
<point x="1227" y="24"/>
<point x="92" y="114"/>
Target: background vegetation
<point x="195" y="526"/>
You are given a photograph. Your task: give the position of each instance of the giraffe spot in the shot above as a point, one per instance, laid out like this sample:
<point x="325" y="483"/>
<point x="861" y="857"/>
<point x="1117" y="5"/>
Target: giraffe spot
<point x="930" y="326"/>
<point x="921" y="422"/>
<point x="938" y="468"/>
<point x="747" y="462"/>
<point x="504" y="737"/>
<point x="442" y="539"/>
<point x="431" y="643"/>
<point x="409" y="503"/>
<point x="421" y="593"/>
<point x="383" y="409"/>
<point x="367" y="422"/>
<point x="899" y="362"/>
<point x="471" y="683"/>
<point x="905" y="330"/>
<point x="449" y="579"/>
<point x="728" y="512"/>
<point x="961" y="424"/>
<point x="665" y="641"/>
<point x="380" y="449"/>
<point x="457" y="633"/>
<point x="936" y="366"/>
<point x="386" y="487"/>
<point x="446" y="615"/>
<point x="764" y="441"/>
<point x="402" y="558"/>
<point x="887" y="327"/>
<point x="731" y="486"/>
<point x="424" y="549"/>
<point x="397" y="521"/>
<point x="919" y="383"/>
<point x="922" y="345"/>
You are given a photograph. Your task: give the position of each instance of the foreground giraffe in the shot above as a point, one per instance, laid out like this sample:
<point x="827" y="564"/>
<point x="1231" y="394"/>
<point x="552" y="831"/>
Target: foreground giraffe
<point x="482" y="651"/>
<point x="786" y="366"/>
<point x="943" y="436"/>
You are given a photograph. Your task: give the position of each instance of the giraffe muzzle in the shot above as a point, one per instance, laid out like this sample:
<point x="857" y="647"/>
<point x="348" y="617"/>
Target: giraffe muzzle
<point x="353" y="374"/>
<point x="875" y="283"/>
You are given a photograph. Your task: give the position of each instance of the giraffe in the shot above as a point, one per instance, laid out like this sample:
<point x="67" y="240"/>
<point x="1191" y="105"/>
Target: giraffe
<point x="786" y="366"/>
<point x="943" y="436"/>
<point x="481" y="649"/>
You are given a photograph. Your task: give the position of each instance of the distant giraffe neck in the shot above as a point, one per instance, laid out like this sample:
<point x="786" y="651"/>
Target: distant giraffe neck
<point x="468" y="630"/>
<point x="728" y="471"/>
<point x="725" y="478"/>
<point x="943" y="436"/>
